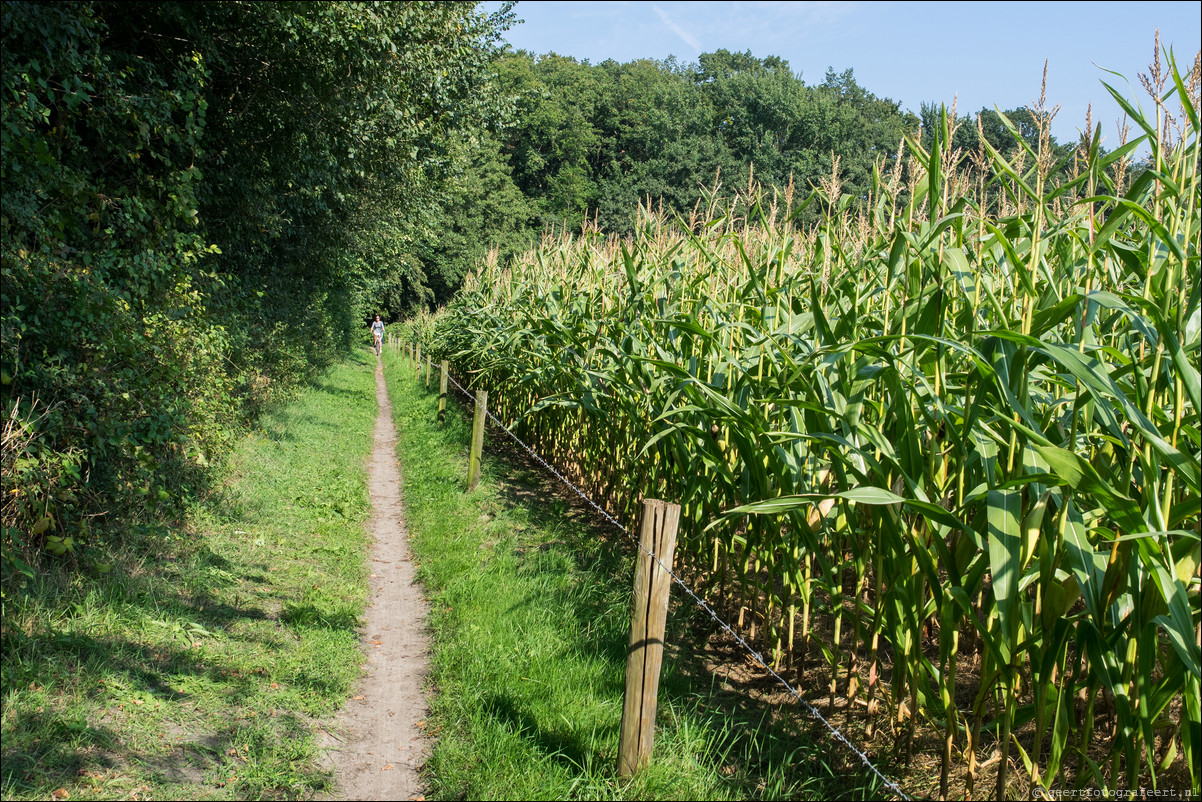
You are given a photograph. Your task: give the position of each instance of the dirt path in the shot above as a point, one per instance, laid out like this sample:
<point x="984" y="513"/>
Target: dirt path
<point x="378" y="748"/>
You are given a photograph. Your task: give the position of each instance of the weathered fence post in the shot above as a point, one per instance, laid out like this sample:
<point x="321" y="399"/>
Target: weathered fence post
<point x="645" y="654"/>
<point x="442" y="393"/>
<point x="417" y="361"/>
<point x="473" y="462"/>
<point x="427" y="371"/>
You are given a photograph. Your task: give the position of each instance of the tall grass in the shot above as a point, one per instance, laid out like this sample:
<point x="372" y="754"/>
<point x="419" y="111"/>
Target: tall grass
<point x="940" y="452"/>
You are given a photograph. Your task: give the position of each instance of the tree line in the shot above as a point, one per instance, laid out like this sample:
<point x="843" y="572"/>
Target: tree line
<point x="202" y="203"/>
<point x="589" y="142"/>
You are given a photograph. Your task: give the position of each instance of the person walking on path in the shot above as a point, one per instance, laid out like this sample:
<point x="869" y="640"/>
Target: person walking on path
<point x="377" y="330"/>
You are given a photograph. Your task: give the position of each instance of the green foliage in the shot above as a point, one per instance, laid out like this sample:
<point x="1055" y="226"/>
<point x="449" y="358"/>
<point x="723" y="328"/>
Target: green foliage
<point x="482" y="210"/>
<point x="198" y="662"/>
<point x="593" y="141"/>
<point x="112" y="369"/>
<point x="545" y="594"/>
<point x="955" y="424"/>
<point x="337" y="140"/>
<point x="1015" y="142"/>
<point x="201" y="204"/>
<point x="588" y="143"/>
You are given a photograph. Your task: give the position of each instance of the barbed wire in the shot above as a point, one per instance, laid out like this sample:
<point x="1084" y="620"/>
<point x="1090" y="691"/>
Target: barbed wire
<point x="813" y="711"/>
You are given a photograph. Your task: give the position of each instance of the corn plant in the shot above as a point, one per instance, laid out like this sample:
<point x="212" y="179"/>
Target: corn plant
<point x="939" y="452"/>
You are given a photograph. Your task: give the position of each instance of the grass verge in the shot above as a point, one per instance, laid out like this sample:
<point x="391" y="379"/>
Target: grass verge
<point x="202" y="664"/>
<point x="530" y="620"/>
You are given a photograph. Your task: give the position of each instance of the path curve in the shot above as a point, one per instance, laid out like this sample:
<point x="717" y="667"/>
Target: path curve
<point x="378" y="747"/>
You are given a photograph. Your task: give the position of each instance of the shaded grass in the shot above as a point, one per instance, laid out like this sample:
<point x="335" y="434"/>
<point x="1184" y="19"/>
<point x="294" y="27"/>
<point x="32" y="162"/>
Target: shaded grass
<point x="530" y="621"/>
<point x="202" y="664"/>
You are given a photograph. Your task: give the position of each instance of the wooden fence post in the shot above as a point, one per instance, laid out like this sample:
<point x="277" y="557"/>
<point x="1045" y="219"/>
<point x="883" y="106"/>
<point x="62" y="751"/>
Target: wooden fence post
<point x="417" y="361"/>
<point x="473" y="462"/>
<point x="442" y="393"/>
<point x="645" y="654"/>
<point x="427" y="371"/>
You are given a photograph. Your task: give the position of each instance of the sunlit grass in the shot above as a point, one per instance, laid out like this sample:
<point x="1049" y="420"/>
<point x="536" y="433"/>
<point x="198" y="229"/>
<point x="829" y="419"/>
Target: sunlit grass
<point x="205" y="662"/>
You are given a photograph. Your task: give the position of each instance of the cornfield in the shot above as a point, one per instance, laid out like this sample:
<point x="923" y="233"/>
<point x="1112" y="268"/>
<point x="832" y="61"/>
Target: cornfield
<point x="939" y="452"/>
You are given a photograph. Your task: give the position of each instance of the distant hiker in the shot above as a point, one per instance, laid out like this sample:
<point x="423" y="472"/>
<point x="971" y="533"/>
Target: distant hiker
<point x="377" y="331"/>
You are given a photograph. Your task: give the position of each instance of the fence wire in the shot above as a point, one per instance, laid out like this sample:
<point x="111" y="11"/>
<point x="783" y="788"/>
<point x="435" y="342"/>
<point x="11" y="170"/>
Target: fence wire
<point x="813" y="711"/>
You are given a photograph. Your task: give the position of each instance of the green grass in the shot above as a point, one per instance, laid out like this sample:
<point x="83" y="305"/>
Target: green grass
<point x="205" y="661"/>
<point x="530" y="621"/>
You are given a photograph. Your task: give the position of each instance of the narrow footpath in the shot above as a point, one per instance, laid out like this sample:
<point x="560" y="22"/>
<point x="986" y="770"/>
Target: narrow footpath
<point x="378" y="747"/>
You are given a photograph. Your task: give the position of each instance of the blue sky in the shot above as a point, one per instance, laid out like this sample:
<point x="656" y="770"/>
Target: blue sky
<point x="988" y="54"/>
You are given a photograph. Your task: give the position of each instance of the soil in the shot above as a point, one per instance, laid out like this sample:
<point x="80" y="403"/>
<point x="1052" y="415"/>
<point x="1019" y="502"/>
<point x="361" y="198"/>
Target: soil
<point x="377" y="747"/>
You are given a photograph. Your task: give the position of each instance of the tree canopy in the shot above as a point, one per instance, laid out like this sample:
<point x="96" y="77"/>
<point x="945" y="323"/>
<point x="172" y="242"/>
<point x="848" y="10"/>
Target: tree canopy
<point x="201" y="202"/>
<point x="592" y="141"/>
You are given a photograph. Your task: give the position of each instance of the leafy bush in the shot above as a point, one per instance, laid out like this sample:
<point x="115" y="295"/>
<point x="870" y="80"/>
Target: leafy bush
<point x="200" y="202"/>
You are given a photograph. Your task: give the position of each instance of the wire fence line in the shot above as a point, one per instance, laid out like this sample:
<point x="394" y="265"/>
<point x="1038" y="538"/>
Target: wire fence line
<point x="836" y="732"/>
